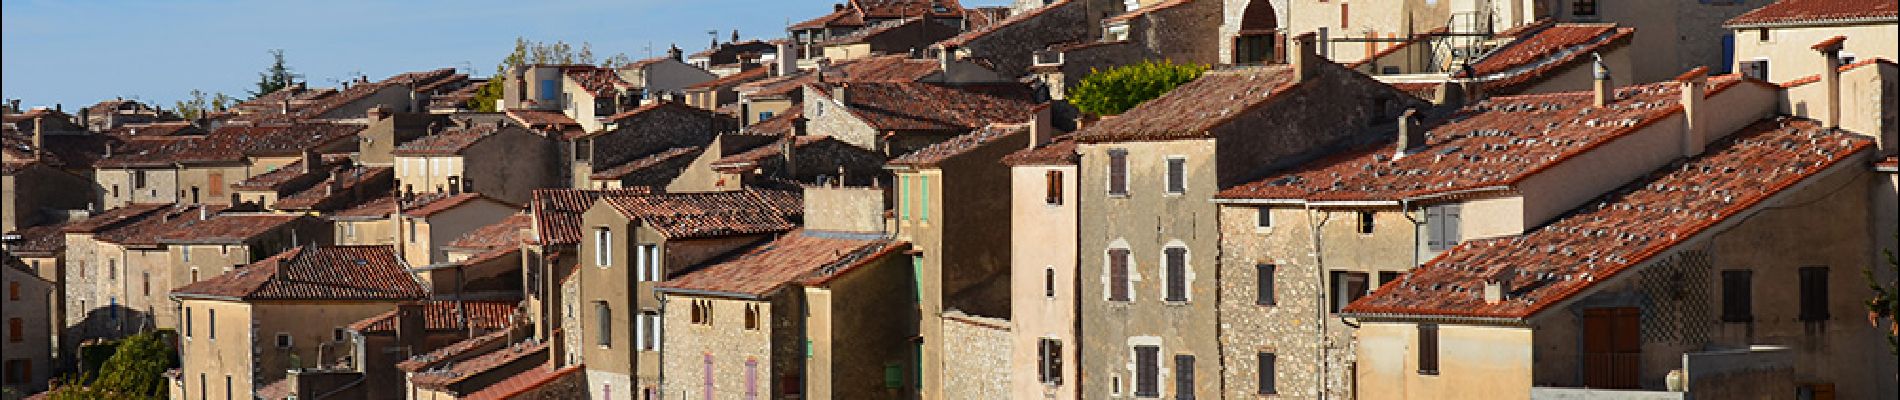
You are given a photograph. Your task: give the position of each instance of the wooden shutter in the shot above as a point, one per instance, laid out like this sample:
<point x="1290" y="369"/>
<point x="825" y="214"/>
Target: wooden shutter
<point x="708" y="372"/>
<point x="1264" y="290"/>
<point x="1428" y="349"/>
<point x="1042" y="360"/>
<point x="215" y="179"/>
<point x="603" y="324"/>
<point x="1147" y="371"/>
<point x="1177" y="175"/>
<point x="1055" y="361"/>
<point x="1451" y="221"/>
<point x="1267" y="373"/>
<point x="1434" y="225"/>
<point x="1814" y="294"/>
<point x="1117" y="171"/>
<point x="751" y="379"/>
<point x="1118" y="274"/>
<point x="1177" y="273"/>
<point x="1053" y="189"/>
<point x="1183" y="377"/>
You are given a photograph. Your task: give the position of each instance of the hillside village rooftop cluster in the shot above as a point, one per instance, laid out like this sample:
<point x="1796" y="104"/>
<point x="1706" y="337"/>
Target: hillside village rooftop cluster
<point x="1359" y="199"/>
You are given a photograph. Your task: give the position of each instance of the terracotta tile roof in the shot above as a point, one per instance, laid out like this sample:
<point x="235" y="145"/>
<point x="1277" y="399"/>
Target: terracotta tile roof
<point x="779" y="124"/>
<point x="531" y="379"/>
<point x="652" y="163"/>
<point x="226" y="228"/>
<point x="1800" y="12"/>
<point x="713" y="214"/>
<point x="426" y="206"/>
<point x="113" y="218"/>
<point x="1888" y="164"/>
<point x="846" y="17"/>
<point x="1193" y="108"/>
<point x="1497" y="142"/>
<point x="146" y="231"/>
<point x="315" y="273"/>
<point x="380" y="207"/>
<point x="749" y="159"/>
<point x="446" y="315"/>
<point x="885" y="68"/>
<point x="450" y="141"/>
<point x="337" y="190"/>
<point x="277" y="178"/>
<point x="539" y="119"/>
<point x="866" y="33"/>
<point x="1546" y="52"/>
<point x="668" y="106"/>
<point x="64" y="151"/>
<point x="985" y="30"/>
<point x="1059" y="151"/>
<point x="908" y="8"/>
<point x="1149" y="9"/>
<point x="231" y="143"/>
<point x="1620" y="230"/>
<point x="913" y="106"/>
<point x="981" y="17"/>
<point x="442" y="378"/>
<point x="865" y="256"/>
<point x="557" y="212"/>
<point x="278" y="390"/>
<point x="600" y="82"/>
<point x="453" y="352"/>
<point x="38" y="240"/>
<point x="503" y="234"/>
<point x="940" y="151"/>
<point x="444" y="81"/>
<point x="176" y="128"/>
<point x="458" y="98"/>
<point x="1844" y="68"/>
<point x="728" y="81"/>
<point x="761" y="270"/>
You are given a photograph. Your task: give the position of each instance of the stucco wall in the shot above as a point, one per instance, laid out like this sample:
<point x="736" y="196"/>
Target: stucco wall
<point x="1034" y="313"/>
<point x="29" y="299"/>
<point x="1672" y="38"/>
<point x="1489" y="362"/>
<point x="207" y="358"/>
<point x="1790" y="54"/>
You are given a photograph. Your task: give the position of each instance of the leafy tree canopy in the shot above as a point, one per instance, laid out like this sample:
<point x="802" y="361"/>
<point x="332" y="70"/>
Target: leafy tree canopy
<point x="135" y="371"/>
<point x="1118" y="89"/>
<point x="527" y="52"/>
<point x="278" y="76"/>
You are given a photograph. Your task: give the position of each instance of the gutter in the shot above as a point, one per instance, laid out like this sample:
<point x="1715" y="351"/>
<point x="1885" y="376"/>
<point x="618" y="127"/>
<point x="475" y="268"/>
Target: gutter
<point x="707" y="293"/>
<point x="1466" y="320"/>
<point x="1814" y="23"/>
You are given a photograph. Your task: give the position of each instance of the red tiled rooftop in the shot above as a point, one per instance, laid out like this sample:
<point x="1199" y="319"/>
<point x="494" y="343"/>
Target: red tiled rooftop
<point x="1888" y="164"/>
<point x="175" y="128"/>
<point x="1621" y="229"/>
<point x="644" y="164"/>
<point x="113" y="218"/>
<point x="380" y="207"/>
<point x="449" y="141"/>
<point x="557" y="212"/>
<point x="1499" y="141"/>
<point x="600" y="82"/>
<point x="1193" y="108"/>
<point x="226" y="228"/>
<point x="315" y="273"/>
<point x="439" y="204"/>
<point x="48" y="240"/>
<point x="764" y="268"/>
<point x="1149" y="9"/>
<point x="1059" y="151"/>
<point x="1546" y="52"/>
<point x="447" y="315"/>
<point x="169" y="220"/>
<point x="865" y="34"/>
<point x="967" y="36"/>
<point x="914" y="106"/>
<point x="505" y="233"/>
<point x="753" y="74"/>
<point x="452" y="352"/>
<point x="521" y="383"/>
<point x="539" y="119"/>
<point x="65" y="151"/>
<point x="277" y="178"/>
<point x="746" y="160"/>
<point x="332" y="192"/>
<point x="462" y="370"/>
<point x="779" y="124"/>
<point x="886" y="68"/>
<point x="713" y="214"/>
<point x="1795" y="12"/>
<point x="938" y="152"/>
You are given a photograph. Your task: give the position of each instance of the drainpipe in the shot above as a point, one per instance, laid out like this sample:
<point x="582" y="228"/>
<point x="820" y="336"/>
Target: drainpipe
<point x="1319" y="320"/>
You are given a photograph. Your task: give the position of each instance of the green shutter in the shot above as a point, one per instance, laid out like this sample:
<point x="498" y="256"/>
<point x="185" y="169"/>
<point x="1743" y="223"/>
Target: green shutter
<point x="893" y="376"/>
<point x="917" y="274"/>
<point x="924" y="200"/>
<point x="903" y="198"/>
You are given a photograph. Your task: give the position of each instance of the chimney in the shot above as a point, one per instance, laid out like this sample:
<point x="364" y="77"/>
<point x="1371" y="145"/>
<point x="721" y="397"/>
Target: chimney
<point x="946" y="55"/>
<point x="1304" y="57"/>
<point x="84" y="115"/>
<point x="311" y="160"/>
<point x="788" y="143"/>
<point x="675" y="53"/>
<point x="1830" y="50"/>
<point x="837" y="6"/>
<point x="1604" y="94"/>
<point x="786" y="60"/>
<point x="798" y="125"/>
<point x="1450" y="94"/>
<point x="411" y="325"/>
<point x="284" y="107"/>
<point x="1411" y="136"/>
<point x="735" y="36"/>
<point x="1043" y="127"/>
<point x="377" y="113"/>
<point x="39" y="138"/>
<point x="1695" y="119"/>
<point x="59" y="108"/>
<point x="203" y="213"/>
<point x="842" y="94"/>
<point x="1498" y="288"/>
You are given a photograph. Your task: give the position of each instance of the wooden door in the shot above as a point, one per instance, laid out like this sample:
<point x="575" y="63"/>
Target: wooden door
<point x="1612" y="347"/>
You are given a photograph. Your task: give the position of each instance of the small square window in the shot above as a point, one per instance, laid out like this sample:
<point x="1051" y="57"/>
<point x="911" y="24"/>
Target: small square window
<point x="1177" y="175"/>
<point x="1263" y="218"/>
<point x="1365" y="222"/>
<point x="283" y="340"/>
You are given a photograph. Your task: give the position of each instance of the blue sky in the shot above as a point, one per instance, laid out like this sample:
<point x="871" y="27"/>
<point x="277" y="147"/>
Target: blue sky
<point x="80" y="52"/>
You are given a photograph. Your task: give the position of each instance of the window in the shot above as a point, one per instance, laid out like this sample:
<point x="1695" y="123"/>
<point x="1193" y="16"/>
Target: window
<point x="194" y="274"/>
<point x="603" y="247"/>
<point x="146" y="282"/>
<point x="1053" y="188"/>
<point x="707" y="371"/>
<point x="211" y="324"/>
<point x="336" y="334"/>
<point x="751" y="379"/>
<point x="923" y="200"/>
<point x="112" y="268"/>
<point x="603" y="324"/>
<point x="227" y="387"/>
<point x="1049" y="282"/>
<point x="19" y="372"/>
<point x="187" y="322"/>
<point x="1118" y="274"/>
<point x="640" y="329"/>
<point x="1441" y="226"/>
<point x="1263" y="218"/>
<point x="1738" y="303"/>
<point x="115" y="190"/>
<point x="1347" y="286"/>
<point x="1049" y="361"/>
<point x="751" y="317"/>
<point x="651" y="334"/>
<point x="1263" y="274"/>
<point x="1814" y="293"/>
<point x="1388" y="276"/>
<point x="1365" y="222"/>
<point x="1147" y="371"/>
<point x="204" y="386"/>
<point x="1268" y="372"/>
<point x="283" y="340"/>
<point x="185" y="251"/>
<point x="1757" y="68"/>
<point x="16" y="330"/>
<point x="650" y="263"/>
<point x="412" y="230"/>
<point x="906" y="188"/>
<point x="1176" y="259"/>
<point x="1848" y="58"/>
<point x="138" y="179"/>
<point x="1762" y="35"/>
<point x="1183" y="377"/>
<point x="547" y="89"/>
<point x="1583" y="7"/>
<point x="1428" y="349"/>
<point x="13" y="291"/>
<point x="1118" y="172"/>
<point x="765" y="115"/>
<point x="1177" y="175"/>
<point x="1344" y="16"/>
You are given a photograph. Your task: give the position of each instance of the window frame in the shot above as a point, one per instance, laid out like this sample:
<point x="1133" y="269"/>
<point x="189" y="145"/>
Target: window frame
<point x="1117" y="172"/>
<point x="1340" y="290"/>
<point x="285" y="341"/>
<point x="1738" y="306"/>
<point x="1427" y="346"/>
<point x="603" y="324"/>
<point x="1147" y="371"/>
<point x="1269" y="370"/>
<point x="1814" y="293"/>
<point x="1175" y="287"/>
<point x="1120" y="277"/>
<point x="1263" y="219"/>
<point x="1266" y="285"/>
<point x="1052" y="191"/>
<point x="1367" y="222"/>
<point x="1174" y="180"/>
<point x="603" y="246"/>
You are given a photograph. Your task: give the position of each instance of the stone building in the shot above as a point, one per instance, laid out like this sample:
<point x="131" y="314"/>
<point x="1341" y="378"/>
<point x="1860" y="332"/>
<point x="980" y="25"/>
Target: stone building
<point x="495" y="159"/>
<point x="845" y="19"/>
<point x="245" y="329"/>
<point x="26" y="361"/>
<point x="638" y="133"/>
<point x="900" y="36"/>
<point x="1600" y="298"/>
<point x="898" y="118"/>
<point x="427" y="222"/>
<point x="378" y="343"/>
<point x="1043" y="276"/>
<point x="629" y="244"/>
<point x="1772" y="43"/>
<point x="44" y="175"/>
<point x="1153" y="170"/>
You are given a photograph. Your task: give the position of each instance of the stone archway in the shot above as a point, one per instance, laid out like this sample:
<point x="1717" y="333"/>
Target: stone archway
<point x="1258" y="40"/>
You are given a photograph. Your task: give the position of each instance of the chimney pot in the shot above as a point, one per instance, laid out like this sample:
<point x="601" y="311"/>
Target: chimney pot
<point x="786" y="60"/>
<point x="1830" y="49"/>
<point x="1695" y="129"/>
<point x="1604" y="93"/>
<point x="1411" y="136"/>
<point x="1498" y="287"/>
<point x="1304" y="56"/>
<point x="1043" y="127"/>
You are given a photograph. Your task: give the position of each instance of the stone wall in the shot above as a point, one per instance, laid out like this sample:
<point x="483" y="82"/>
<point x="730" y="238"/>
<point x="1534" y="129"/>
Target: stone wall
<point x="976" y="357"/>
<point x="1010" y="47"/>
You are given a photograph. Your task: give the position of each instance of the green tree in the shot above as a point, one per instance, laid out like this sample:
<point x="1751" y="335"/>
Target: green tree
<point x="136" y="370"/>
<point x="201" y="103"/>
<point x="1886" y="302"/>
<point x="528" y="52"/>
<point x="1118" y="89"/>
<point x="277" y="77"/>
